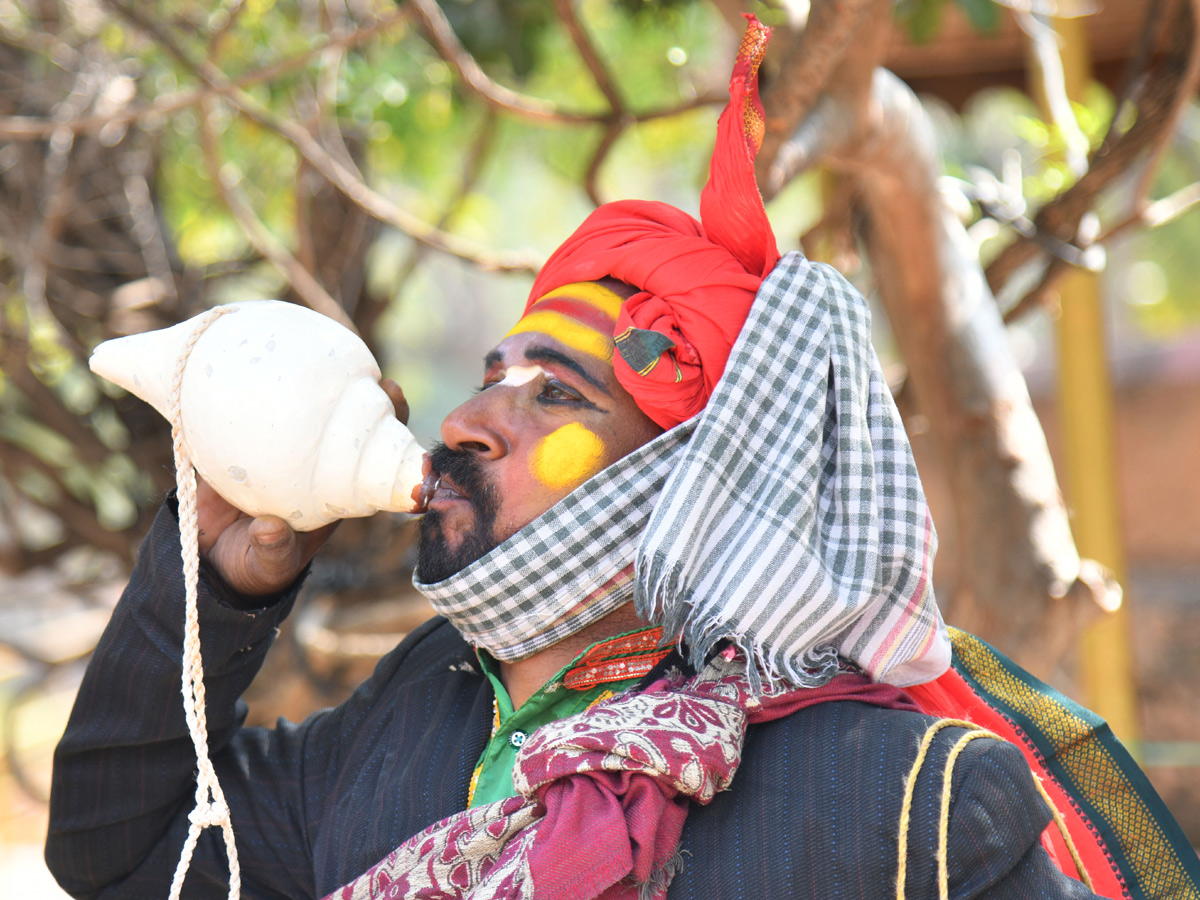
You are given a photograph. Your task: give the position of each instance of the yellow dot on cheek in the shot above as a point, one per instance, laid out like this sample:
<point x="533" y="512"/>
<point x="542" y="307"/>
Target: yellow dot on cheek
<point x="567" y="457"/>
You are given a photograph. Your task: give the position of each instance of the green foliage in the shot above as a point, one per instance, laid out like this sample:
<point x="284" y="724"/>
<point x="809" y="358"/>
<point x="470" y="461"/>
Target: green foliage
<point x="396" y="109"/>
<point x="1159" y="284"/>
<point x="48" y="464"/>
<point x="502" y="33"/>
<point x="923" y="18"/>
<point x="984" y="15"/>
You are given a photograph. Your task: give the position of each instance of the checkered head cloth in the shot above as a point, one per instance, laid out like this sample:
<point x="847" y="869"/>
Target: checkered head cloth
<point x="787" y="516"/>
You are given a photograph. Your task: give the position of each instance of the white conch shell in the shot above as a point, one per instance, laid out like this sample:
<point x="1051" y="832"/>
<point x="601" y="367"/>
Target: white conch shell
<point x="282" y="412"/>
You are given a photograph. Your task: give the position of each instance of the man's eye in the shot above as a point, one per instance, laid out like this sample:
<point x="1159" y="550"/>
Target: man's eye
<point x="556" y="392"/>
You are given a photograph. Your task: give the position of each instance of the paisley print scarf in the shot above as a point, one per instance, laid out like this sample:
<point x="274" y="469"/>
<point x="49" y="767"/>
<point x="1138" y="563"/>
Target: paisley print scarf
<point x="618" y="778"/>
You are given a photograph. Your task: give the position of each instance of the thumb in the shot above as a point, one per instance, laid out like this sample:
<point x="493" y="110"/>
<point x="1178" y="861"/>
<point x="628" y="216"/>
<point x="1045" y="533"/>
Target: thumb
<point x="273" y="556"/>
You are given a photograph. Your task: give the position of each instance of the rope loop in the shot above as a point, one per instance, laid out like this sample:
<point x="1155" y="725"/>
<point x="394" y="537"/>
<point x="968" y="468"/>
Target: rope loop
<point x="214" y="812"/>
<point x="974" y="732"/>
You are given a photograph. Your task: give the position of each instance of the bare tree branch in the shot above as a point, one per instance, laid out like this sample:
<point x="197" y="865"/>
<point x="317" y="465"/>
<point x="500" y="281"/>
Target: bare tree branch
<point x="829" y="126"/>
<point x="376" y="204"/>
<point x="1157" y="104"/>
<point x="301" y="279"/>
<point x="591" y="180"/>
<point x="347" y="181"/>
<point x="230" y="14"/>
<point x="55" y="199"/>
<point x="507" y="100"/>
<point x="1067" y="251"/>
<point x="447" y="44"/>
<point x="147" y="231"/>
<point x="803" y="74"/>
<point x="31" y="128"/>
<point x="591" y="56"/>
<point x="481" y="150"/>
<point x="1161" y="212"/>
<point x="1042" y="295"/>
<point x="1187" y="90"/>
<point x="1158" y="213"/>
<point x="1139" y="61"/>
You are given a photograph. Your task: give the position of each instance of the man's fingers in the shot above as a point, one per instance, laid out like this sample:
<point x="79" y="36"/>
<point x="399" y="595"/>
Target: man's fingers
<point x="312" y="541"/>
<point x="396" y="395"/>
<point x="213" y="514"/>
<point x="275" y="554"/>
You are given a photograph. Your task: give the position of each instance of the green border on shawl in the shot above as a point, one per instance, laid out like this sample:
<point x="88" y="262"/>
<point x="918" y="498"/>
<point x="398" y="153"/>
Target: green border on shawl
<point x="1149" y="848"/>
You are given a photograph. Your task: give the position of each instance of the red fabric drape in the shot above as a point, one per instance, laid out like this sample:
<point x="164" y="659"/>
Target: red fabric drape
<point x="696" y="279"/>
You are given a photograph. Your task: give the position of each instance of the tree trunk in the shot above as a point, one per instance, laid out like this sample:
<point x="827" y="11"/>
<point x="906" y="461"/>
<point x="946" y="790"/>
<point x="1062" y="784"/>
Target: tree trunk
<point x="1018" y="581"/>
<point x="1018" y="570"/>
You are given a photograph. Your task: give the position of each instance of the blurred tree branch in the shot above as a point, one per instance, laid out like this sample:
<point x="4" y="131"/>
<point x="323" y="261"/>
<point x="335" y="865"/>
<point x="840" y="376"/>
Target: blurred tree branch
<point x="481" y="150"/>
<point x="508" y="101"/>
<point x="1020" y="581"/>
<point x="299" y="277"/>
<point x="34" y="128"/>
<point x="1157" y="99"/>
<point x="92" y="256"/>
<point x="337" y="171"/>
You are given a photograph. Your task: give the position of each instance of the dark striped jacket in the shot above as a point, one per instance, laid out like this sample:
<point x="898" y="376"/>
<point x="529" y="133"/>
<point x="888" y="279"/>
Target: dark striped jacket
<point x="813" y="811"/>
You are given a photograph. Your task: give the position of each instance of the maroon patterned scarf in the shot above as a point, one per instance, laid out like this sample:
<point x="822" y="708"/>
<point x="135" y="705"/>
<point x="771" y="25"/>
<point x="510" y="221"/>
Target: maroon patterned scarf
<point x="617" y="779"/>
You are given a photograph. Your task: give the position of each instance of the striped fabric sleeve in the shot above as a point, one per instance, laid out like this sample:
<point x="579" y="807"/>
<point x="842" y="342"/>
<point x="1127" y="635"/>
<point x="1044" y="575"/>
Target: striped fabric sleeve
<point x="123" y="781"/>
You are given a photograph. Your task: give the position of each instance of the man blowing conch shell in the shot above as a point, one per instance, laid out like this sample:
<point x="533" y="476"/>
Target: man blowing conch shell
<point x="682" y="561"/>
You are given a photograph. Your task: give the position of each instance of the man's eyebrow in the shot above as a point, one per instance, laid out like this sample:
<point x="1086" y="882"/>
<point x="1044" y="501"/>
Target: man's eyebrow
<point x="546" y="354"/>
<point x="493" y="358"/>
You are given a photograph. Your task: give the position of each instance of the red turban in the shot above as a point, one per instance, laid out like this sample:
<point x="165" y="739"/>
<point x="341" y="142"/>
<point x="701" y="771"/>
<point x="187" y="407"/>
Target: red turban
<point x="696" y="279"/>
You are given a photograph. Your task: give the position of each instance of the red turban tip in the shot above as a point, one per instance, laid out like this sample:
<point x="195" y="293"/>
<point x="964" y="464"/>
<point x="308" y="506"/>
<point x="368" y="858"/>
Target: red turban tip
<point x="696" y="279"/>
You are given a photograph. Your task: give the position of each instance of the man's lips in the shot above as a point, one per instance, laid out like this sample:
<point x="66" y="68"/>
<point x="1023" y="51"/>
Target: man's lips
<point x="423" y="491"/>
<point x="444" y="491"/>
<point x="434" y="488"/>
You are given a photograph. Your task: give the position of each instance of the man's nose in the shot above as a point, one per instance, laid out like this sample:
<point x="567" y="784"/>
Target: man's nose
<point x="475" y="426"/>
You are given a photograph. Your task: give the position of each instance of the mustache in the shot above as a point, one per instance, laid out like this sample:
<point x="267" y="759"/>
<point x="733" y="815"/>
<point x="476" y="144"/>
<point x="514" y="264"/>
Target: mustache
<point x="437" y="557"/>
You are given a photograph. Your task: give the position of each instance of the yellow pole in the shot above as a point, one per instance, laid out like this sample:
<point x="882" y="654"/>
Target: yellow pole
<point x="1085" y="403"/>
<point x="828" y="182"/>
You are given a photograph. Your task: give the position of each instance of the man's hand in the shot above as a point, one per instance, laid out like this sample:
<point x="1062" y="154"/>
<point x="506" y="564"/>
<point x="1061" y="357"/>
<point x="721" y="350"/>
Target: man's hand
<point x="261" y="556"/>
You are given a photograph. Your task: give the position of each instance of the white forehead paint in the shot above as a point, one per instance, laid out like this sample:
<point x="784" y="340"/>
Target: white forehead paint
<point x="515" y="376"/>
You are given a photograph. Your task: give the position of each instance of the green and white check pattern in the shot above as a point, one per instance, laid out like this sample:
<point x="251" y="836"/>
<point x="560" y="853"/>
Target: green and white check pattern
<point x="787" y="516"/>
<point x="528" y="593"/>
<point x="795" y="522"/>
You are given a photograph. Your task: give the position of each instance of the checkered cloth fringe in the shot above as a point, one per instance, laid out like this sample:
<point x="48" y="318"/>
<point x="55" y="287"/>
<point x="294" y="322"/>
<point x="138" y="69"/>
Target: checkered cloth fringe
<point x="787" y="516"/>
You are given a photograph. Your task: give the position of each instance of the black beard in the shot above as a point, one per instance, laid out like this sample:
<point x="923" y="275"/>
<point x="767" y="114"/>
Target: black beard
<point x="436" y="559"/>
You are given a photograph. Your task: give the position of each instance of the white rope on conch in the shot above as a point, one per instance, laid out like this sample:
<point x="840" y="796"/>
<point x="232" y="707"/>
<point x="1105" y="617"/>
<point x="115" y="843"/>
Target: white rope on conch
<point x="211" y="809"/>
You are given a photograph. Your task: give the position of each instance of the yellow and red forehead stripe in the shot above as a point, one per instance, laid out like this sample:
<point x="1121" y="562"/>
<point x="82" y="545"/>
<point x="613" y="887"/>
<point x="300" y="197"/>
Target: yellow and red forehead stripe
<point x="581" y="316"/>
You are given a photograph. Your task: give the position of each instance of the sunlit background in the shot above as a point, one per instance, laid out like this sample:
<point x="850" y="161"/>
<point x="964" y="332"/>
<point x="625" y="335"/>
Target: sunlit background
<point x="116" y="225"/>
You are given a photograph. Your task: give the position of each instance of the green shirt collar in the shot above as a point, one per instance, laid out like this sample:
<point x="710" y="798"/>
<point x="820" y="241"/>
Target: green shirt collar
<point x="553" y="701"/>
